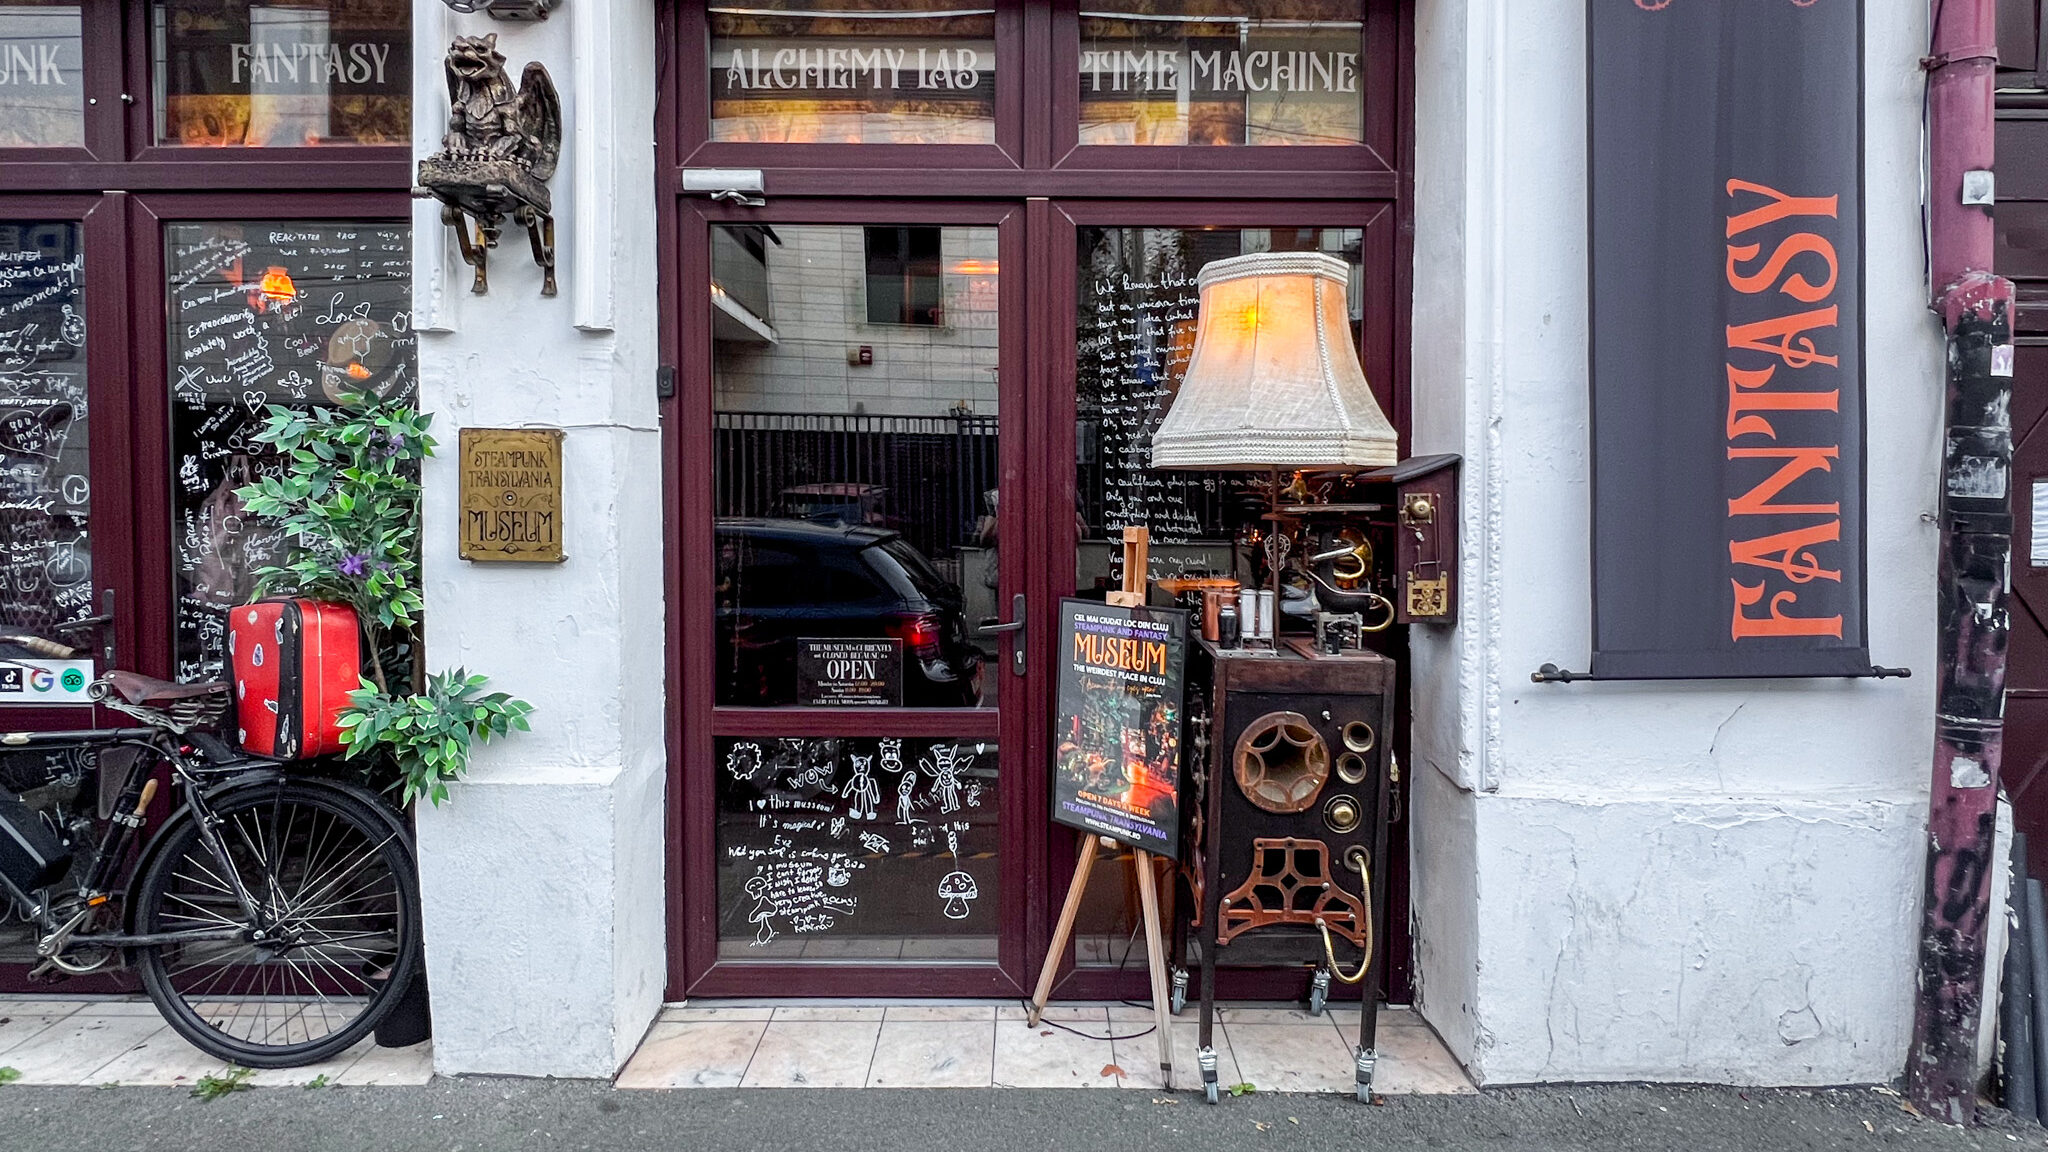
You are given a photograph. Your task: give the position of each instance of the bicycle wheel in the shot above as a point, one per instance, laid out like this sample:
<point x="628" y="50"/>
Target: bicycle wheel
<point x="336" y="883"/>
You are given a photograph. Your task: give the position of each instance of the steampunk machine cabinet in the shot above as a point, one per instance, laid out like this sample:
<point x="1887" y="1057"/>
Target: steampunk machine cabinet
<point x="1290" y="754"/>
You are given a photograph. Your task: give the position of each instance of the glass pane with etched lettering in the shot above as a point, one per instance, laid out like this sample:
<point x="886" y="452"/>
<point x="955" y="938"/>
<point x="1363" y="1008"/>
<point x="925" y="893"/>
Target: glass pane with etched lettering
<point x="234" y="74"/>
<point x="1263" y="72"/>
<point x="272" y="312"/>
<point x="853" y="72"/>
<point x="42" y="82"/>
<point x="46" y="576"/>
<point x="1137" y="304"/>
<point x="855" y="465"/>
<point x="858" y="850"/>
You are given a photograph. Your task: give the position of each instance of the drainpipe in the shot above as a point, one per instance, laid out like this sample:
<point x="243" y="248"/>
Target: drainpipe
<point x="1976" y="548"/>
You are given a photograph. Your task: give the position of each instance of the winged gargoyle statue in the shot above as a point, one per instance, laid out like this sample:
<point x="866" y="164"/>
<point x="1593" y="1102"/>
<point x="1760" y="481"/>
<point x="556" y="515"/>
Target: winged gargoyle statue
<point x="500" y="150"/>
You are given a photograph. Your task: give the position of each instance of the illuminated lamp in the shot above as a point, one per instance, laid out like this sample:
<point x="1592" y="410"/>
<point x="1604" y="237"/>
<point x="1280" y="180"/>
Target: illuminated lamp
<point x="1274" y="381"/>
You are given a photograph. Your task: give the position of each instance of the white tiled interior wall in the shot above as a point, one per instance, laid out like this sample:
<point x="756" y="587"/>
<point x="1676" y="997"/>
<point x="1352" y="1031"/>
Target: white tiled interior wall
<point x="817" y="285"/>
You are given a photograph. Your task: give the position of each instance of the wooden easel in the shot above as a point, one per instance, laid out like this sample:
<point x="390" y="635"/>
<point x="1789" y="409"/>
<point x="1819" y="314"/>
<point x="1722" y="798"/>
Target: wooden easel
<point x="1137" y="556"/>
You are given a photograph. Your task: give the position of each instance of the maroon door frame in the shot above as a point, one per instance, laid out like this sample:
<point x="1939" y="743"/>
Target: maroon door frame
<point x="123" y="187"/>
<point x="1035" y="162"/>
<point x="693" y="927"/>
<point x="1385" y="317"/>
<point x="108" y="371"/>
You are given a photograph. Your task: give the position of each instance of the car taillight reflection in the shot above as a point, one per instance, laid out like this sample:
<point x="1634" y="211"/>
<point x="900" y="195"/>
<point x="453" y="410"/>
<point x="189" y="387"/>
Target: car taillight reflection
<point x="920" y="634"/>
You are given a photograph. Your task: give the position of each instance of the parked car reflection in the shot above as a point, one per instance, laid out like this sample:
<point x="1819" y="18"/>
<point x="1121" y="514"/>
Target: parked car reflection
<point x="781" y="580"/>
<point x="836" y="504"/>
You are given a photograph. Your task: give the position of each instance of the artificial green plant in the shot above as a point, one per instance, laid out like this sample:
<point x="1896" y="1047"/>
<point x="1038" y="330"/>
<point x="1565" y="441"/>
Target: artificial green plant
<point x="349" y="504"/>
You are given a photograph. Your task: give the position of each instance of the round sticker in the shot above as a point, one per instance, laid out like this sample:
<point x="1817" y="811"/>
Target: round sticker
<point x="73" y="680"/>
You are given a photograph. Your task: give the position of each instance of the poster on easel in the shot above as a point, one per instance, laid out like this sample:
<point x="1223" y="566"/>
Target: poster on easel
<point x="1122" y="683"/>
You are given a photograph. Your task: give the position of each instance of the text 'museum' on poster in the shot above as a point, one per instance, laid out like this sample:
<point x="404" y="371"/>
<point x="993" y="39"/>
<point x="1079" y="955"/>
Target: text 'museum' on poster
<point x="1727" y="338"/>
<point x="1116" y="764"/>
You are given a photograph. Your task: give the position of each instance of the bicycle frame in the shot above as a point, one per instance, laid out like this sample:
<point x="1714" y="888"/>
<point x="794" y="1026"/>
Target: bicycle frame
<point x="100" y="886"/>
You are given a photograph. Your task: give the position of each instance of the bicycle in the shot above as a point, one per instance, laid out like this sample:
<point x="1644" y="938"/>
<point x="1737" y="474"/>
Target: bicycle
<point x="274" y="917"/>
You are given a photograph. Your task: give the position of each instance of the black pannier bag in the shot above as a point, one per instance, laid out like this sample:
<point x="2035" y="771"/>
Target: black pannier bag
<point x="31" y="855"/>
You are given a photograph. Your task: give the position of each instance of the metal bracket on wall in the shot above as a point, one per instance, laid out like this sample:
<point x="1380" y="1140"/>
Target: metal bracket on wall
<point x="742" y="186"/>
<point x="1552" y="674"/>
<point x="523" y="11"/>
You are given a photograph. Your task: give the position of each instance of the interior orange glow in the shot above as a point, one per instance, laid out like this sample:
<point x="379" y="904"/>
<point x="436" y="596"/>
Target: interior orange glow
<point x="277" y="286"/>
<point x="975" y="268"/>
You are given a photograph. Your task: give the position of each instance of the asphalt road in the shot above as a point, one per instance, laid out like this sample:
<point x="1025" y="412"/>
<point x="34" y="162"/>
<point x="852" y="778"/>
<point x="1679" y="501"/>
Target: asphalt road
<point x="564" y="1116"/>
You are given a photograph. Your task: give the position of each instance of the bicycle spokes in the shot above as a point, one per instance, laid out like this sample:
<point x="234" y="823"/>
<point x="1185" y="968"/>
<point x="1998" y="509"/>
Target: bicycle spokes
<point x="318" y="941"/>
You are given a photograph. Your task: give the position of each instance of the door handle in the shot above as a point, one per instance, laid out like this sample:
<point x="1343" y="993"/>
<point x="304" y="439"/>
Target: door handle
<point x="990" y="627"/>
<point x="103" y="623"/>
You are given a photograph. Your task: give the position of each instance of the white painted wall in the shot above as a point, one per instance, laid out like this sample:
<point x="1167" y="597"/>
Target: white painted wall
<point x="1696" y="881"/>
<point x="543" y="874"/>
<point x="1653" y="881"/>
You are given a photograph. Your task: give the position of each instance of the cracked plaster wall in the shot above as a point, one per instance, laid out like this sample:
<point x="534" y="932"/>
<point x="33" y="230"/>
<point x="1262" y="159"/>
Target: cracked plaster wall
<point x="1671" y="881"/>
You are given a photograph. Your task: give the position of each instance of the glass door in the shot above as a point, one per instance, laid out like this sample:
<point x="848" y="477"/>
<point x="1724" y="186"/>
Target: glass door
<point x="1125" y="345"/>
<point x="854" y="607"/>
<point x="65" y="530"/>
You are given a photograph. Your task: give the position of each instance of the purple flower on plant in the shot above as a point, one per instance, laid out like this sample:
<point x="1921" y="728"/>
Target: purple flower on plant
<point x="394" y="444"/>
<point x="353" y="564"/>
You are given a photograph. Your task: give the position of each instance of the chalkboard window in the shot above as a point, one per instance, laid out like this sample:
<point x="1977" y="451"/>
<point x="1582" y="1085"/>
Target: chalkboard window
<point x="863" y="850"/>
<point x="265" y="312"/>
<point x="298" y="74"/>
<point x="45" y="473"/>
<point x="1181" y="72"/>
<point x="905" y="285"/>
<point x="42" y="82"/>
<point x="853" y="72"/>
<point x="855" y="459"/>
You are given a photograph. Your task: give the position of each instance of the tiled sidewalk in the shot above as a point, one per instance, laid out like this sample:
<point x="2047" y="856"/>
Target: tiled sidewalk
<point x="978" y="1046"/>
<point x="124" y="1041"/>
<point x="100" y="1041"/>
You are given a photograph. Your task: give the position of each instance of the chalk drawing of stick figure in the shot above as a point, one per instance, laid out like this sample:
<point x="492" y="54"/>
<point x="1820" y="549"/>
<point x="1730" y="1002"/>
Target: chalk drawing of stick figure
<point x="862" y="793"/>
<point x="945" y="763"/>
<point x="905" y="803"/>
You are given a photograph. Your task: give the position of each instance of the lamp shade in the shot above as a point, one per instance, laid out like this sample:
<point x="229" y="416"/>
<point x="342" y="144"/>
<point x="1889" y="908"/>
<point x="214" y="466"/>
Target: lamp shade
<point x="1274" y="381"/>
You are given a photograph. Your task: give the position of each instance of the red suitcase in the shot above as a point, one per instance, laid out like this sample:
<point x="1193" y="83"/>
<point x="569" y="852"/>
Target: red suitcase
<point x="295" y="663"/>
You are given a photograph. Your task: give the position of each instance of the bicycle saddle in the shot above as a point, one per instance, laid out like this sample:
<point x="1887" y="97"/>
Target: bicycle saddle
<point x="148" y="691"/>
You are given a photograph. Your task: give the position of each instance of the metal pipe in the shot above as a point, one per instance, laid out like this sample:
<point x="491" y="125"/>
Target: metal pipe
<point x="2037" y="958"/>
<point x="1976" y="543"/>
<point x="2015" y="1007"/>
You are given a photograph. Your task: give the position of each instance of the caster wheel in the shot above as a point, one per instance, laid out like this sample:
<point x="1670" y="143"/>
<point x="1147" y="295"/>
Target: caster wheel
<point x="1364" y="1094"/>
<point x="1316" y="1000"/>
<point x="1209" y="1090"/>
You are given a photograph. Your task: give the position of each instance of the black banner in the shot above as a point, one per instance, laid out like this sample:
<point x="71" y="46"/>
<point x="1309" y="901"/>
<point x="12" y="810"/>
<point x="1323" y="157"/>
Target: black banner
<point x="1726" y="188"/>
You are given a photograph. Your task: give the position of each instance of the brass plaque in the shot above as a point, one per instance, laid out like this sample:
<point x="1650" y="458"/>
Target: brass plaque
<point x="512" y="494"/>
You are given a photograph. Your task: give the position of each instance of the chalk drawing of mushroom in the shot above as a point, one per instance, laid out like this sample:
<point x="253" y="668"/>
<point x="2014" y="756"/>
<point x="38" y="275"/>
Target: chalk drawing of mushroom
<point x="764" y="911"/>
<point x="956" y="890"/>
